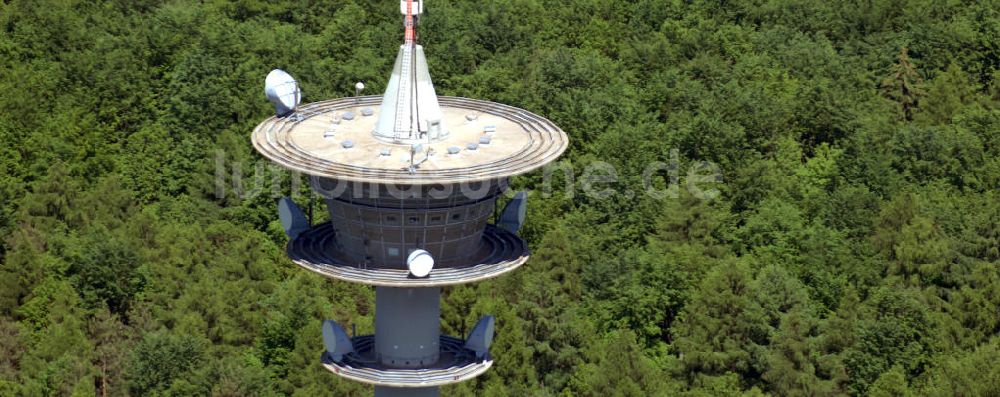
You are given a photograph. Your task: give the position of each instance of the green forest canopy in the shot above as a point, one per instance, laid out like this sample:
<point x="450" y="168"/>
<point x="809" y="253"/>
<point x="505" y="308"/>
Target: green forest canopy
<point x="854" y="249"/>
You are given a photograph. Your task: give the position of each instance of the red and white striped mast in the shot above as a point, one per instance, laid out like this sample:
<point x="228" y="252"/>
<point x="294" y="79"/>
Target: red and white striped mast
<point x="410" y="35"/>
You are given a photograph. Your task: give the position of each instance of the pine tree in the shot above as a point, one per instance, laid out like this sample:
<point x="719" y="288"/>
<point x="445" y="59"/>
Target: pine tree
<point x="948" y="93"/>
<point x="111" y="339"/>
<point x="795" y="356"/>
<point x="722" y="329"/>
<point x="902" y="86"/>
<point x="617" y="367"/>
<point x="892" y="383"/>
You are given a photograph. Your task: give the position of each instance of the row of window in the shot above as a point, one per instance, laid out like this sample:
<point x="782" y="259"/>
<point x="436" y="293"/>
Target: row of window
<point x="387" y="217"/>
<point x="394" y="253"/>
<point x="379" y="194"/>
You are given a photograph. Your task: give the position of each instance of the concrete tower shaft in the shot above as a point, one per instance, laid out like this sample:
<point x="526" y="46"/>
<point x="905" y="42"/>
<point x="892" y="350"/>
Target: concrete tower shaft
<point x="407" y="326"/>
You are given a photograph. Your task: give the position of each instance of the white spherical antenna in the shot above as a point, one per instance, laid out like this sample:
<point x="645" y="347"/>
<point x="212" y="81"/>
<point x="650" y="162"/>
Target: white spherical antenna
<point x="283" y="92"/>
<point x="420" y="263"/>
<point x="357" y="94"/>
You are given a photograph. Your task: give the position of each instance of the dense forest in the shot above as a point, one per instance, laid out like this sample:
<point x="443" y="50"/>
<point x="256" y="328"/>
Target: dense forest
<point x="853" y="248"/>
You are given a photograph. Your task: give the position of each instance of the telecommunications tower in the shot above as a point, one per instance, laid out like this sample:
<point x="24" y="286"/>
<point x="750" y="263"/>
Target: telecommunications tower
<point x="411" y="181"/>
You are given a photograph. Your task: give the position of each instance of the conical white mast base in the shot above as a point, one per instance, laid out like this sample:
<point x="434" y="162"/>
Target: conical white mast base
<point x="410" y="112"/>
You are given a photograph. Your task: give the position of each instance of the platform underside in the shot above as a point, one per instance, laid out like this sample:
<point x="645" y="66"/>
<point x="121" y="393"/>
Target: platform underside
<point x="499" y="252"/>
<point x="313" y="142"/>
<point x="456" y="364"/>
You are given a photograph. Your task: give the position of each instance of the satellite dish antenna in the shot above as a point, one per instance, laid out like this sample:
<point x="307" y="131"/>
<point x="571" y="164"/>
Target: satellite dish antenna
<point x="481" y="337"/>
<point x="420" y="263"/>
<point x="336" y="341"/>
<point x="514" y="213"/>
<point x="283" y="92"/>
<point x="292" y="219"/>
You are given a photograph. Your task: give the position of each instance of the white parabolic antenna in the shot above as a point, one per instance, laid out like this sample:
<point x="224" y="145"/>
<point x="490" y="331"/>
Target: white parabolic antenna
<point x="283" y="92"/>
<point x="514" y="213"/>
<point x="335" y="340"/>
<point x="292" y="219"/>
<point x="420" y="263"/>
<point x="481" y="337"/>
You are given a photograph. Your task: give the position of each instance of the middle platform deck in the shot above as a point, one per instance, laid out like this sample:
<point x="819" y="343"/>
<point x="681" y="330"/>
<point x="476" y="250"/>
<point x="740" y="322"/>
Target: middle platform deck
<point x="499" y="252"/>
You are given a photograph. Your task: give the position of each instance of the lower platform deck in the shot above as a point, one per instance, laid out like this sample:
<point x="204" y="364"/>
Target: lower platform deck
<point x="456" y="364"/>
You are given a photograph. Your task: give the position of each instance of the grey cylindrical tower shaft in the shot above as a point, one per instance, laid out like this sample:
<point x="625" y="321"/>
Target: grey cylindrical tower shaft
<point x="407" y="333"/>
<point x="382" y="391"/>
<point x="407" y="326"/>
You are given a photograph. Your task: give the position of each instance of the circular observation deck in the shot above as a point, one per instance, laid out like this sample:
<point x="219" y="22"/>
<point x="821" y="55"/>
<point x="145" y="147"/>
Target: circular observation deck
<point x="500" y="251"/>
<point x="455" y="364"/>
<point x="484" y="141"/>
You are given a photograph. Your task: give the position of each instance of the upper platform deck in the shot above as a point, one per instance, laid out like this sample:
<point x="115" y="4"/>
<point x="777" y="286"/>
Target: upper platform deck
<point x="334" y="139"/>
